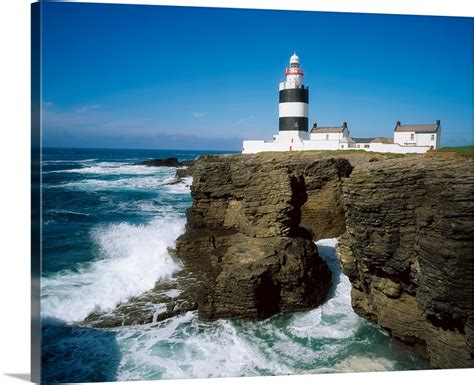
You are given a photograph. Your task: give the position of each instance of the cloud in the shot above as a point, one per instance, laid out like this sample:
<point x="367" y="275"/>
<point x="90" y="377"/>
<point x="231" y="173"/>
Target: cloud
<point x="91" y="107"/>
<point x="92" y="125"/>
<point x="243" y="120"/>
<point x="199" y="114"/>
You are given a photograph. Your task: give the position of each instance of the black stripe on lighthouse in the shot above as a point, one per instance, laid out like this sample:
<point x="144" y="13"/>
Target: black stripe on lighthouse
<point x="295" y="101"/>
<point x="293" y="123"/>
<point x="292" y="95"/>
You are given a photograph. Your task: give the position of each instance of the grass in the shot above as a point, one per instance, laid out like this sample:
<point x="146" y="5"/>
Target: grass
<point x="459" y="150"/>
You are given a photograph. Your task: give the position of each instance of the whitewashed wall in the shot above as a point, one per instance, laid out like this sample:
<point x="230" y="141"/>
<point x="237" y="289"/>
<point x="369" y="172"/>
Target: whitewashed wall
<point x="395" y="148"/>
<point x="321" y="144"/>
<point x="425" y="140"/>
<point x="404" y="138"/>
<point x="330" y="136"/>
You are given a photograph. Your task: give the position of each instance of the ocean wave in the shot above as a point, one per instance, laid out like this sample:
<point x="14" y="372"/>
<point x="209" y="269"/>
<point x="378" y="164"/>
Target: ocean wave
<point x="68" y="161"/>
<point x="184" y="347"/>
<point x="135" y="183"/>
<point x="183" y="187"/>
<point x="335" y="317"/>
<point x="113" y="168"/>
<point x="132" y="259"/>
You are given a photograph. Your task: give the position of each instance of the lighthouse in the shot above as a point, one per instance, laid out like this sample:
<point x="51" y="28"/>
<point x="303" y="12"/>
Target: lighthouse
<point x="293" y="105"/>
<point x="293" y="132"/>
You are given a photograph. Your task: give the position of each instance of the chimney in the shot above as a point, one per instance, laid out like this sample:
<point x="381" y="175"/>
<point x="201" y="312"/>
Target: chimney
<point x="344" y="124"/>
<point x="315" y="125"/>
<point x="398" y="123"/>
<point x="438" y="122"/>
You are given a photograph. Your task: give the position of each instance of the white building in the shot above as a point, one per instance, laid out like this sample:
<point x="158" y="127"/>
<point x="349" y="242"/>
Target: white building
<point x="418" y="134"/>
<point x="293" y="132"/>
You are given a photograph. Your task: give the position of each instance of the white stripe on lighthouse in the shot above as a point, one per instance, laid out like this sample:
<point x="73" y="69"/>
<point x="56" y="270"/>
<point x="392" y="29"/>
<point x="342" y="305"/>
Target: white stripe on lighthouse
<point x="293" y="109"/>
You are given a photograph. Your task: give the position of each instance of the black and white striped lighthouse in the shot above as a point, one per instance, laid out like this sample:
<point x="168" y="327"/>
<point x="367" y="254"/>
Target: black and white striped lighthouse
<point x="293" y="107"/>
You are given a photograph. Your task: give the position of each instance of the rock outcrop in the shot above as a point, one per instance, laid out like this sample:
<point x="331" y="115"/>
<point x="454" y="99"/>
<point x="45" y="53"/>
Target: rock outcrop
<point x="407" y="244"/>
<point x="167" y="162"/>
<point x="244" y="236"/>
<point x="409" y="253"/>
<point x="245" y="252"/>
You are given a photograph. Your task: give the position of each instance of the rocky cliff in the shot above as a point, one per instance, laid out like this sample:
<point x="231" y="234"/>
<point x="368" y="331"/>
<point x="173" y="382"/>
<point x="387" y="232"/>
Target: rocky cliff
<point x="248" y="248"/>
<point x="244" y="237"/>
<point x="409" y="252"/>
<point x="407" y="245"/>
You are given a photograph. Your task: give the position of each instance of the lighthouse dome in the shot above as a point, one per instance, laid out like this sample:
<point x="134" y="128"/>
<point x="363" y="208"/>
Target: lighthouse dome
<point x="294" y="59"/>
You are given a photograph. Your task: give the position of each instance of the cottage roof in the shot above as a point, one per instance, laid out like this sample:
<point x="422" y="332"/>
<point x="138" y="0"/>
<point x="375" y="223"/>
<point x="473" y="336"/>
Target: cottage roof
<point x="328" y="130"/>
<point x="363" y="140"/>
<point x="418" y="128"/>
<point x="382" y="139"/>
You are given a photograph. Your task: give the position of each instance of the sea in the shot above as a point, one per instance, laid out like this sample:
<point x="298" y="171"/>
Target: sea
<point x="106" y="228"/>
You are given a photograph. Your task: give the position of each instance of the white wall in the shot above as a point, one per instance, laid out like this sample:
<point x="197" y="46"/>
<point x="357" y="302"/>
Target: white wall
<point x="396" y="148"/>
<point x="330" y="136"/>
<point x="404" y="137"/>
<point x="321" y="144"/>
<point x="420" y="139"/>
<point x="425" y="140"/>
<point x="288" y="135"/>
<point x="300" y="141"/>
<point x="282" y="142"/>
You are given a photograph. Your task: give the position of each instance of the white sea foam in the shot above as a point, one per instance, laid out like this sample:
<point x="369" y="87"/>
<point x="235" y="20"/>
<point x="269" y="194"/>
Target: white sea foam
<point x="45" y="162"/>
<point x="335" y="317"/>
<point x="184" y="347"/>
<point x="132" y="259"/>
<point x="184" y="187"/>
<point x="112" y="168"/>
<point x="136" y="183"/>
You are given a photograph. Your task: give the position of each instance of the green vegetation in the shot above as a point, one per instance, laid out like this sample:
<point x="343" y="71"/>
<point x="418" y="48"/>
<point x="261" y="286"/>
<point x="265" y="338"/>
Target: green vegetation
<point x="459" y="150"/>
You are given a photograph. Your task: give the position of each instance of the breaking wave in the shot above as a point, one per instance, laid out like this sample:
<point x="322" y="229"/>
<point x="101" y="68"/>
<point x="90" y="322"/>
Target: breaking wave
<point x="131" y="259"/>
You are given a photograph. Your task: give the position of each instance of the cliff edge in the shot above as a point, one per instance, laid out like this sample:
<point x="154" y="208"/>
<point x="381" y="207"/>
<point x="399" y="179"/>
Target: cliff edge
<point x="244" y="237"/>
<point x="406" y="225"/>
<point x="409" y="253"/>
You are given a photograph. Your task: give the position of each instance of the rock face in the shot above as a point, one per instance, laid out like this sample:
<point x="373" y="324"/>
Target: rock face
<point x="244" y="237"/>
<point x="407" y="244"/>
<point x="409" y="253"/>
<point x="168" y="162"/>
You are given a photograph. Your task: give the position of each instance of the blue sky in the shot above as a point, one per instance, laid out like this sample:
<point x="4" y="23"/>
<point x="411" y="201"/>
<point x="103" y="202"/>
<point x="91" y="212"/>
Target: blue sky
<point x="130" y="76"/>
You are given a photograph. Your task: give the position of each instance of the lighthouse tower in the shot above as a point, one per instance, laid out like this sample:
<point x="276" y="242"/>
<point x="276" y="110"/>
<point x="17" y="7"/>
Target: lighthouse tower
<point x="293" y="107"/>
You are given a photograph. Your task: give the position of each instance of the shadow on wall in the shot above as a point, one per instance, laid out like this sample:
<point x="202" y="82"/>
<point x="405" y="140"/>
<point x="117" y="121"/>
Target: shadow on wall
<point x="72" y="353"/>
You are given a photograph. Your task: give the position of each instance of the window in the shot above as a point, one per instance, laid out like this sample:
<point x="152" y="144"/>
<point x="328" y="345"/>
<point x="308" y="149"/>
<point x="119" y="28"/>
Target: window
<point x="366" y="146"/>
<point x="432" y="137"/>
<point x="327" y="136"/>
<point x="412" y="136"/>
<point x="342" y="146"/>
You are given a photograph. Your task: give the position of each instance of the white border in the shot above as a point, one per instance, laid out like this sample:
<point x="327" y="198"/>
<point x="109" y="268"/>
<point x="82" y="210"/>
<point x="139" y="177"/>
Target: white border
<point x="15" y="182"/>
<point x="412" y="7"/>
